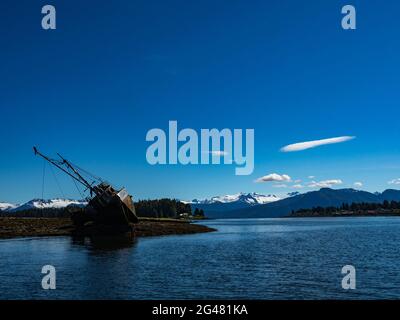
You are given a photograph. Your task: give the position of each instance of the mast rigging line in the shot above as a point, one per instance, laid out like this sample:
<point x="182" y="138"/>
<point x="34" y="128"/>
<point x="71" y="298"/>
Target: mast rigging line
<point x="58" y="184"/>
<point x="77" y="188"/>
<point x="76" y="176"/>
<point x="43" y="178"/>
<point x="91" y="175"/>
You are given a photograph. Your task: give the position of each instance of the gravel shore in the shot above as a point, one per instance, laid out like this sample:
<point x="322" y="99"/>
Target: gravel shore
<point x="11" y="227"/>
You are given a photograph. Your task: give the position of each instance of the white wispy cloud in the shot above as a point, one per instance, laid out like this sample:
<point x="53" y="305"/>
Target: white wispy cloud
<point x="297" y="186"/>
<point x="315" y="143"/>
<point x="394" y="181"/>
<point x="358" y="184"/>
<point x="274" y="177"/>
<point x="325" y="183"/>
<point x="311" y="177"/>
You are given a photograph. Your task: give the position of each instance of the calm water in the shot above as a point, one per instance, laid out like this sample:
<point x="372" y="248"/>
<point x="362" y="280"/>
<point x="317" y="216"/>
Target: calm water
<point x="245" y="259"/>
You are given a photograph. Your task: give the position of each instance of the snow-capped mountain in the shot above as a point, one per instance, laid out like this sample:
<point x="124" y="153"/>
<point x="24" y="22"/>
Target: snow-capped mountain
<point x="262" y="199"/>
<point x="324" y="197"/>
<point x="42" y="204"/>
<point x="250" y="198"/>
<point x="4" y="206"/>
<point x="232" y="202"/>
<point x="292" y="194"/>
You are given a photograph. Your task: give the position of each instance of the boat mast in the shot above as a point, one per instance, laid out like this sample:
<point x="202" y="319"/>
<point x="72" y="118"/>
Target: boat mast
<point x="76" y="176"/>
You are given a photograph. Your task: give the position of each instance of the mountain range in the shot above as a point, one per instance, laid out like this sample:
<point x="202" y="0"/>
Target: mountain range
<point x="246" y="205"/>
<point x="224" y="203"/>
<point x="325" y="197"/>
<point x="232" y="202"/>
<point x="41" y="204"/>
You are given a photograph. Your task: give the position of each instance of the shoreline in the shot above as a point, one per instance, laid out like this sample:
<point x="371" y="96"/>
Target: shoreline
<point x="345" y="216"/>
<point x="12" y="227"/>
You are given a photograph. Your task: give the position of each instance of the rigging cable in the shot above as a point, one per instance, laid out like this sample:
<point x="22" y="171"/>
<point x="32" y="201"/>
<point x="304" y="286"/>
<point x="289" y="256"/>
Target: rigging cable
<point x="77" y="188"/>
<point x="91" y="175"/>
<point x="58" y="184"/>
<point x="43" y="177"/>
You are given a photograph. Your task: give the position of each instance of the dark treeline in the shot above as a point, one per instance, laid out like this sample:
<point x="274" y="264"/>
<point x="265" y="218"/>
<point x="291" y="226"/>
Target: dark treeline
<point x="40" y="213"/>
<point x="162" y="208"/>
<point x="355" y="208"/>
<point x="198" y="213"/>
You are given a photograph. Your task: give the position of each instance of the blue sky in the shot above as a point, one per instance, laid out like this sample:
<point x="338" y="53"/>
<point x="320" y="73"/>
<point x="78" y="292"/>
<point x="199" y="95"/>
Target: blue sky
<point x="114" y="70"/>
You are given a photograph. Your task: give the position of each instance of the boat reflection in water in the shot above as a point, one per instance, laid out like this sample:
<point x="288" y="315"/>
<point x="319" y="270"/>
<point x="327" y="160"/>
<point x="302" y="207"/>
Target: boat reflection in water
<point x="105" y="243"/>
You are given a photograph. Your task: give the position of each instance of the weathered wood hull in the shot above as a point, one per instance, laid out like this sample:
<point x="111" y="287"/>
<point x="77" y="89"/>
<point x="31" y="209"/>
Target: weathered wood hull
<point x="108" y="212"/>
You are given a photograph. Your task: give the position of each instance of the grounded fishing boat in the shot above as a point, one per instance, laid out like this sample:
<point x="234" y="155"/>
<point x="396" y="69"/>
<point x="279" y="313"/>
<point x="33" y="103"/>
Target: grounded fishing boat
<point x="109" y="210"/>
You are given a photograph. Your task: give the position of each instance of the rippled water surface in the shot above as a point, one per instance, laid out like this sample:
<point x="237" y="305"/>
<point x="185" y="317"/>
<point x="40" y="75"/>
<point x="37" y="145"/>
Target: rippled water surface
<point x="245" y="259"/>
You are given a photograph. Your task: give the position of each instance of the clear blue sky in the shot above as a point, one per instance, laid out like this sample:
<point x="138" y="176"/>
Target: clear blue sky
<point x="115" y="69"/>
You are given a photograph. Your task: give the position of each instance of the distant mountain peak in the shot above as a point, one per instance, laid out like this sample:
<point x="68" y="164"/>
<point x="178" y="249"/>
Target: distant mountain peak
<point x="4" y="206"/>
<point x="325" y="197"/>
<point x="57" y="203"/>
<point x="253" y="198"/>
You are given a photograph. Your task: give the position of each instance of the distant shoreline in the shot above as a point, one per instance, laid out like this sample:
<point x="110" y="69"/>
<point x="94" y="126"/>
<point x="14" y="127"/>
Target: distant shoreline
<point x="11" y="227"/>
<point x="340" y="215"/>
